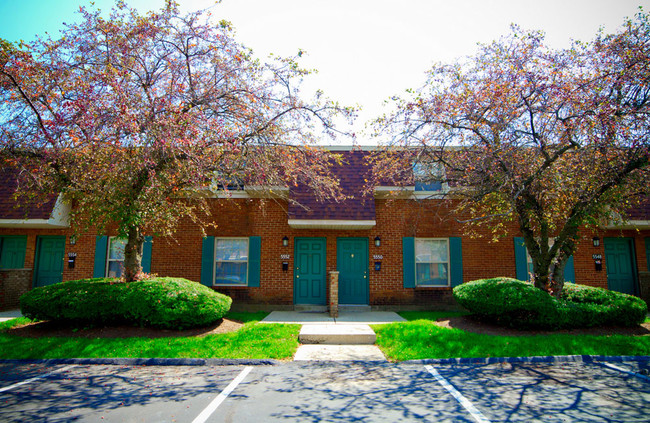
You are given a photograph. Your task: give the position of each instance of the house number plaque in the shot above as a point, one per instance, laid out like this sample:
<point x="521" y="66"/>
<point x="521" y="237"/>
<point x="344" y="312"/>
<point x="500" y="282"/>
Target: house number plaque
<point x="285" y="256"/>
<point x="377" y="257"/>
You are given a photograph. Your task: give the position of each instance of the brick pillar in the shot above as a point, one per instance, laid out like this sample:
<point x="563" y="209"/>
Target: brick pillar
<point x="334" y="294"/>
<point x="644" y="284"/>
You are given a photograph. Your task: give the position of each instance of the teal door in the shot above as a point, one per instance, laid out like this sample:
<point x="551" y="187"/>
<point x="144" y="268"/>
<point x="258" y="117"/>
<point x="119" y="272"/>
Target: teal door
<point x="619" y="254"/>
<point x="352" y="264"/>
<point x="309" y="272"/>
<point x="48" y="266"/>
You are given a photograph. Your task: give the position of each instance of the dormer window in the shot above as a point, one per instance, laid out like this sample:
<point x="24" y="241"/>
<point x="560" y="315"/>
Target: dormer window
<point x="428" y="176"/>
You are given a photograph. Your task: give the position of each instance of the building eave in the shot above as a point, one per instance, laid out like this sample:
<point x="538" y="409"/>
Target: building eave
<point x="59" y="219"/>
<point x="630" y="224"/>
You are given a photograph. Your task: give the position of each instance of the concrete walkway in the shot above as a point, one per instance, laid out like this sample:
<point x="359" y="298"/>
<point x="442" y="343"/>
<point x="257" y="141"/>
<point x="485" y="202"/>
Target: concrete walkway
<point x="8" y="315"/>
<point x="345" y="338"/>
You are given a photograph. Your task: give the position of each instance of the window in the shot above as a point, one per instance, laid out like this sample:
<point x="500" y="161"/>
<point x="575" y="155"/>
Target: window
<point x="524" y="264"/>
<point x="12" y="251"/>
<point x="115" y="257"/>
<point x="427" y="176"/>
<point x="231" y="261"/>
<point x="431" y="262"/>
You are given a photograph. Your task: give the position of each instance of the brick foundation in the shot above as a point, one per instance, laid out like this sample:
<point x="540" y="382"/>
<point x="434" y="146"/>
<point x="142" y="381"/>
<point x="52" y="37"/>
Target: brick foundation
<point x="13" y="284"/>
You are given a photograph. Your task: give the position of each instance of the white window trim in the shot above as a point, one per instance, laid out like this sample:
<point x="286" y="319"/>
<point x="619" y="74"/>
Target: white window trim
<point x="448" y="262"/>
<point x="108" y="254"/>
<point x="214" y="259"/>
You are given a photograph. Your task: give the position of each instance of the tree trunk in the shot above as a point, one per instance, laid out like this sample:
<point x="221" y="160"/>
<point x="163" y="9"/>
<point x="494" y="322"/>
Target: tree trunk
<point x="133" y="255"/>
<point x="557" y="279"/>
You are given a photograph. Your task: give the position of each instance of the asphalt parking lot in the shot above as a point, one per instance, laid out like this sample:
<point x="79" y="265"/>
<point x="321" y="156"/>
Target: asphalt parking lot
<point x="326" y="392"/>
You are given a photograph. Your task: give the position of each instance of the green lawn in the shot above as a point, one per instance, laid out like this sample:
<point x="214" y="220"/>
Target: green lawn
<point x="251" y="341"/>
<point x="419" y="339"/>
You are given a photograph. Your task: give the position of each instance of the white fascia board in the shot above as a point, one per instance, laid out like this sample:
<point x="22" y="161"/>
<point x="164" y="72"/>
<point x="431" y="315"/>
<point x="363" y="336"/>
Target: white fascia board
<point x="261" y="191"/>
<point x="59" y="218"/>
<point x="231" y="194"/>
<point x="394" y="192"/>
<point x="410" y="192"/>
<point x="630" y="224"/>
<point x="332" y="224"/>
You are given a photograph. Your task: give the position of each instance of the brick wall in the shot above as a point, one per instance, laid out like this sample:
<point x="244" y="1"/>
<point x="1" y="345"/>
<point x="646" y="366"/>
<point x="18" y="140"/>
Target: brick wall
<point x="180" y="256"/>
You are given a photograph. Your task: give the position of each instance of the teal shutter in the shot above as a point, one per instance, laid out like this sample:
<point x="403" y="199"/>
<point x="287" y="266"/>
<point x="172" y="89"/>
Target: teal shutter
<point x="647" y="252"/>
<point x="569" y="271"/>
<point x="455" y="261"/>
<point x="408" y="261"/>
<point x="521" y="266"/>
<point x="146" y="255"/>
<point x="207" y="261"/>
<point x="12" y="252"/>
<point x="254" y="260"/>
<point x="101" y="248"/>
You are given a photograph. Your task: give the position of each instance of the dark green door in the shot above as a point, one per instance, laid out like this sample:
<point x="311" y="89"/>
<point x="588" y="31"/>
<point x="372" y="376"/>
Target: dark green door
<point x="352" y="264"/>
<point x="48" y="267"/>
<point x="620" y="265"/>
<point x="309" y="273"/>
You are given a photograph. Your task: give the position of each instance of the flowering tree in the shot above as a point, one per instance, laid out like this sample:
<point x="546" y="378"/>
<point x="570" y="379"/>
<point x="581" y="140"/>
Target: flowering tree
<point x="128" y="116"/>
<point x="551" y="139"/>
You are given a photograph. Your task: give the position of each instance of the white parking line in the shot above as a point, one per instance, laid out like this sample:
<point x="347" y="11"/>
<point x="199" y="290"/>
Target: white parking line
<point x="622" y="370"/>
<point x="207" y="412"/>
<point x="24" y="382"/>
<point x="478" y="416"/>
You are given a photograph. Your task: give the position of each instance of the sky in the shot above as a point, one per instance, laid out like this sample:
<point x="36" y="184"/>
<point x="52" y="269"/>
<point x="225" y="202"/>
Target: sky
<point x="365" y="51"/>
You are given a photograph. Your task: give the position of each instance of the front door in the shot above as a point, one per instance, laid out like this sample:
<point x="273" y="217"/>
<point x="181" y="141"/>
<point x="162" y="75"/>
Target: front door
<point x="619" y="256"/>
<point x="309" y="272"/>
<point x="352" y="264"/>
<point x="48" y="268"/>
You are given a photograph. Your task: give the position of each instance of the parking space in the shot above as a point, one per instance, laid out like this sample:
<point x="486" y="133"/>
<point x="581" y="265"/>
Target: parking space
<point x="319" y="392"/>
<point x="112" y="393"/>
<point x="557" y="392"/>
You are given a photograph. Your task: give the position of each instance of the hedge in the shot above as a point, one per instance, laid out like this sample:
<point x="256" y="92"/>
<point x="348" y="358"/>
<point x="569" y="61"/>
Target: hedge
<point x="514" y="303"/>
<point x="169" y="303"/>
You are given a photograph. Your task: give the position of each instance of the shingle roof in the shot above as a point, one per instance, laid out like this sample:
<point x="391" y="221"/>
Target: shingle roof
<point x="641" y="211"/>
<point x="351" y="174"/>
<point x="9" y="209"/>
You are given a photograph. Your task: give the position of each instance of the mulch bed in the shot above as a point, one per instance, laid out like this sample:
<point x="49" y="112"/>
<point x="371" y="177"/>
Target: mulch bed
<point x="470" y="324"/>
<point x="466" y="323"/>
<point x="52" y="329"/>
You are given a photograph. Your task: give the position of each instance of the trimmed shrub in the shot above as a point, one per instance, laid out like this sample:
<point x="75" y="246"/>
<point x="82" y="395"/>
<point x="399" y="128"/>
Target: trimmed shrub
<point x="514" y="303"/>
<point x="169" y="303"/>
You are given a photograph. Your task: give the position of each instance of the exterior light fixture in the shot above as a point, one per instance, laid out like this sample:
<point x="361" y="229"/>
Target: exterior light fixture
<point x="596" y="241"/>
<point x="285" y="242"/>
<point x="377" y="241"/>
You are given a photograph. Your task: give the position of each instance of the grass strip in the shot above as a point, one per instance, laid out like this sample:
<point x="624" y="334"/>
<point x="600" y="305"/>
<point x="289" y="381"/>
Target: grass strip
<point x="252" y="340"/>
<point x="431" y="315"/>
<point x="422" y="339"/>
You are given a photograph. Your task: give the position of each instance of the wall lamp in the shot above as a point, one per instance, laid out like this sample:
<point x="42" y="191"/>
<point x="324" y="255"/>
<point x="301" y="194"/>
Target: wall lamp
<point x="377" y="241"/>
<point x="596" y="241"/>
<point x="285" y="242"/>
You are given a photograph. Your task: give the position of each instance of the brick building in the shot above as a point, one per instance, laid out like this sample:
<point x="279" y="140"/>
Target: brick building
<point x="269" y="253"/>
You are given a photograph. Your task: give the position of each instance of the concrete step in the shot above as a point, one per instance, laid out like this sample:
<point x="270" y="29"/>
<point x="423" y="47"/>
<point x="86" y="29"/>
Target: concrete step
<point x="339" y="353"/>
<point x="310" y="308"/>
<point x="337" y="334"/>
<point x="354" y="308"/>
